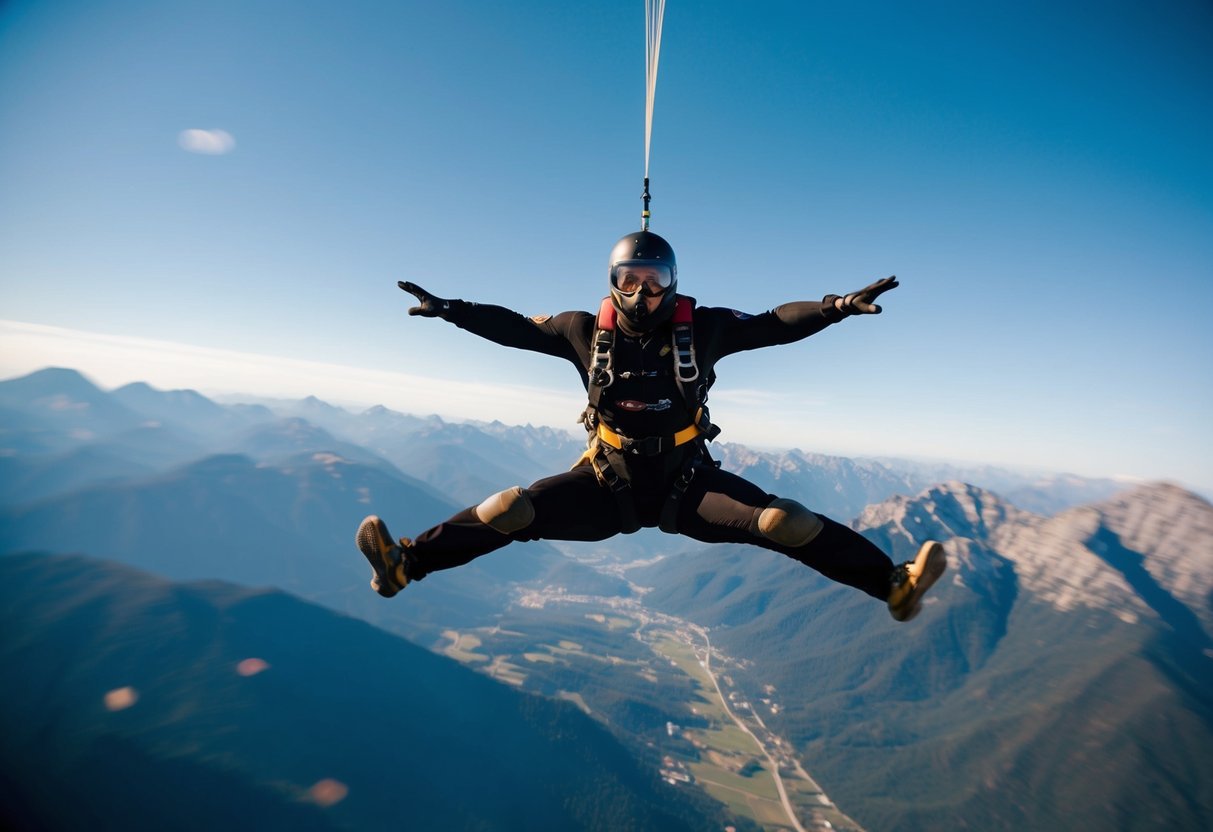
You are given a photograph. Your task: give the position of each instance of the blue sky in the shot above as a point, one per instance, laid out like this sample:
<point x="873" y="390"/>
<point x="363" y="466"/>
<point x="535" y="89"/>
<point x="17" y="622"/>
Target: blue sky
<point x="1037" y="174"/>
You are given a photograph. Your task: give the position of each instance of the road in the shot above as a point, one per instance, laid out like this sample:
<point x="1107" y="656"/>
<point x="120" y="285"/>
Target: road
<point x="724" y="700"/>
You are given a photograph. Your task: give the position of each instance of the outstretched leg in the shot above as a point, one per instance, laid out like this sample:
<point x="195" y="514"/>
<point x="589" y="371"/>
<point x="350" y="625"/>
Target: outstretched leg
<point x="568" y="506"/>
<point x="721" y="507"/>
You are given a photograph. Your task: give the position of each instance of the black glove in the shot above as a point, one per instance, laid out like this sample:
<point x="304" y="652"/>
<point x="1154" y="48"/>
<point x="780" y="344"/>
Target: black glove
<point x="860" y="303"/>
<point x="429" y="306"/>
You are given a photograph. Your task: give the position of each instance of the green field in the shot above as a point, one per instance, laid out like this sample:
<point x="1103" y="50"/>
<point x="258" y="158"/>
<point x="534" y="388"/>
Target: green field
<point x="725" y="748"/>
<point x="545" y="658"/>
<point x="612" y="623"/>
<point x="724" y="760"/>
<point x="462" y="647"/>
<point x="575" y="698"/>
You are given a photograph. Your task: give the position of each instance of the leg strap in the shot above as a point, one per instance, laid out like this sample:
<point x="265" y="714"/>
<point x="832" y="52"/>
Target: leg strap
<point x="620" y="488"/>
<point x="669" y="511"/>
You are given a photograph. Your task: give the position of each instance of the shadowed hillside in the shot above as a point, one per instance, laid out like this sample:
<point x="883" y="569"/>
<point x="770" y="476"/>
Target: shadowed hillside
<point x="195" y="706"/>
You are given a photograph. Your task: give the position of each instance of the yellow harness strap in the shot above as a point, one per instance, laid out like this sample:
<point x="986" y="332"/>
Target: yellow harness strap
<point x="616" y="440"/>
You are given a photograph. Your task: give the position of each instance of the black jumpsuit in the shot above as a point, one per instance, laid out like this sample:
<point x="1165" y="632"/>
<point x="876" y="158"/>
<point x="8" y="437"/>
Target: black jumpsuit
<point x="644" y="400"/>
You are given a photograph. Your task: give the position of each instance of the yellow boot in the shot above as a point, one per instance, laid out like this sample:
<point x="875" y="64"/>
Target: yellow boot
<point x="913" y="578"/>
<point x="385" y="555"/>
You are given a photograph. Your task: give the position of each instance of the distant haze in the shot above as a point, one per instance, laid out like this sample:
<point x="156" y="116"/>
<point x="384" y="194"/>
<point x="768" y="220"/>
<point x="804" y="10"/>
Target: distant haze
<point x="762" y="419"/>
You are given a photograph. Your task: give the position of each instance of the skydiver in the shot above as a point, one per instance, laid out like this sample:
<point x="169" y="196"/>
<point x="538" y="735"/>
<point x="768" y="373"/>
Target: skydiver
<point x="647" y="361"/>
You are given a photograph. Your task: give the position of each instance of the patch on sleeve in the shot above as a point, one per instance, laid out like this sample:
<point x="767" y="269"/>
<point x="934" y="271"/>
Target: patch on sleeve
<point x="742" y="316"/>
<point x="539" y="319"/>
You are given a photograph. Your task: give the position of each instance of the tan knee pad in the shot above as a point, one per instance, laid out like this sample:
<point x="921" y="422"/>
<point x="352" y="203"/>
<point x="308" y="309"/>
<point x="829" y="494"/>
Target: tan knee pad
<point x="788" y="523"/>
<point x="507" y="511"/>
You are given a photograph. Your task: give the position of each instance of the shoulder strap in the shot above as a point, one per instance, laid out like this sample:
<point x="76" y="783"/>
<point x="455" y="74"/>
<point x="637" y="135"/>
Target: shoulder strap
<point x="685" y="369"/>
<point x="601" y="372"/>
<point x="606" y="314"/>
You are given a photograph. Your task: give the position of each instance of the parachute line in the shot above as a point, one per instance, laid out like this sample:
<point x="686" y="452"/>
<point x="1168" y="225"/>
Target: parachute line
<point x="654" y="14"/>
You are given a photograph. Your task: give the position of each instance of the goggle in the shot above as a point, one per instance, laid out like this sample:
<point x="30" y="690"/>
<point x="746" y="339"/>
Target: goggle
<point x="651" y="279"/>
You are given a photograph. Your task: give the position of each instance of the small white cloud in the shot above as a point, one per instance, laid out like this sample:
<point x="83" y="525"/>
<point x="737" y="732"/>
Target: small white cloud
<point x="209" y="142"/>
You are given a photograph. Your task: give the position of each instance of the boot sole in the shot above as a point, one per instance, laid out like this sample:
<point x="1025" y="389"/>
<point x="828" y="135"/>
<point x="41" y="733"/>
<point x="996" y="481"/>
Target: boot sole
<point x="933" y="567"/>
<point x="371" y="539"/>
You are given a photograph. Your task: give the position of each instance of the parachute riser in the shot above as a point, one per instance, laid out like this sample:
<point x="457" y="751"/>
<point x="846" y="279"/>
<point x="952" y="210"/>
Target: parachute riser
<point x="645" y="214"/>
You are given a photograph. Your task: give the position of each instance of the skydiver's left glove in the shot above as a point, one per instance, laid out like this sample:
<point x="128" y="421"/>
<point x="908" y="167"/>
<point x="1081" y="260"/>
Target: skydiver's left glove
<point x="860" y="303"/>
<point x="428" y="306"/>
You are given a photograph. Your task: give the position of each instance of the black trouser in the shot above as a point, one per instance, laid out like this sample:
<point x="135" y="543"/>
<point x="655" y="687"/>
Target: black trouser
<point x="718" y="507"/>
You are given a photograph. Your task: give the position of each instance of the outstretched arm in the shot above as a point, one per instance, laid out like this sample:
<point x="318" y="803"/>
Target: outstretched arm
<point x="498" y="324"/>
<point x="794" y="321"/>
<point x="860" y="303"/>
<point x="428" y="306"/>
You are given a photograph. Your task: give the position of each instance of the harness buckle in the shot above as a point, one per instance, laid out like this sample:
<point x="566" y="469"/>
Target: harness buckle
<point x="648" y="446"/>
<point x="709" y="430"/>
<point x="602" y="376"/>
<point x="613" y="481"/>
<point x="684" y="351"/>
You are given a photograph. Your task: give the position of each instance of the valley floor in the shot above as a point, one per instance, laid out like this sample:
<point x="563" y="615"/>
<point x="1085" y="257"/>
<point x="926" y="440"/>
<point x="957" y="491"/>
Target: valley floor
<point x="730" y="752"/>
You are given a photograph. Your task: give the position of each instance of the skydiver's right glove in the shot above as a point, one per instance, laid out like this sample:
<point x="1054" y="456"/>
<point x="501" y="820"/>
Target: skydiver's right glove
<point x="860" y="303"/>
<point x="428" y="306"/>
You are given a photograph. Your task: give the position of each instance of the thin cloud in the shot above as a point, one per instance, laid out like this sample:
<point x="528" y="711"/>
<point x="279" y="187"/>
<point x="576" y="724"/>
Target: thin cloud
<point x="206" y="142"/>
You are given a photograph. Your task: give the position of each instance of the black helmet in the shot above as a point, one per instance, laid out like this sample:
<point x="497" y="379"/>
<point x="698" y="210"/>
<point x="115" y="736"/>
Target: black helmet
<point x="653" y="259"/>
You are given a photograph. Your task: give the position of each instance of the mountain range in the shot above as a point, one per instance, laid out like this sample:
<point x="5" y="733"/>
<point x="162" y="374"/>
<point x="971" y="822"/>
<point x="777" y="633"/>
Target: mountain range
<point x="262" y="499"/>
<point x="1058" y="678"/>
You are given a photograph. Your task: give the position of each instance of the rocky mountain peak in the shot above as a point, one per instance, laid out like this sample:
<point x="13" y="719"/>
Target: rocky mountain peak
<point x="949" y="510"/>
<point x="1051" y="557"/>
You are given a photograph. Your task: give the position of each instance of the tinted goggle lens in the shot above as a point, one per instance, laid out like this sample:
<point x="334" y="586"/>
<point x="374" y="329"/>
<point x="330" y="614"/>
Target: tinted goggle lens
<point x="647" y="278"/>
